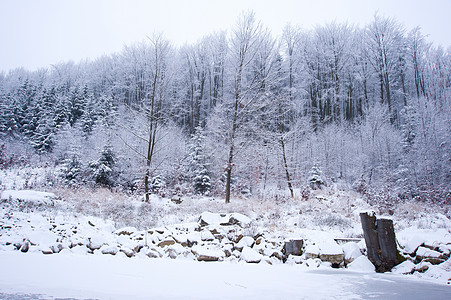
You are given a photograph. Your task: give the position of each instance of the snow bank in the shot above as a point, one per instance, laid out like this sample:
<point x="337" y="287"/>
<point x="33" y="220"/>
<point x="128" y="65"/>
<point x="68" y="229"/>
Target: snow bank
<point x="35" y="197"/>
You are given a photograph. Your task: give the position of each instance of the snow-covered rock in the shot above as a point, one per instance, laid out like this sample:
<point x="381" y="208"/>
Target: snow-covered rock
<point x="331" y="252"/>
<point x="205" y="253"/>
<point x="208" y="218"/>
<point x="106" y="249"/>
<point x="206" y="235"/>
<point x="406" y="267"/>
<point x="249" y="255"/>
<point x="351" y="251"/>
<point x="238" y="219"/>
<point x="126" y="231"/>
<point x="311" y="251"/>
<point x="362" y="264"/>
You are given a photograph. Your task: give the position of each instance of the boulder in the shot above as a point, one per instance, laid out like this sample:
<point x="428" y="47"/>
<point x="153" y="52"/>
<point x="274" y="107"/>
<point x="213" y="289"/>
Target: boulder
<point x="246" y="241"/>
<point x="153" y="253"/>
<point x="362" y="264"/>
<point x="126" y="231"/>
<point x="237" y="219"/>
<point x="127" y="251"/>
<point x="95" y="242"/>
<point x="166" y="242"/>
<point x="351" y="251"/>
<point x="208" y="218"/>
<point x="406" y="267"/>
<point x="311" y="251"/>
<point x="206" y="235"/>
<point x="106" y="249"/>
<point x="249" y="255"/>
<point x="56" y="248"/>
<point x="331" y="252"/>
<point x="174" y="250"/>
<point x="293" y="247"/>
<point x="205" y="253"/>
<point x="25" y="246"/>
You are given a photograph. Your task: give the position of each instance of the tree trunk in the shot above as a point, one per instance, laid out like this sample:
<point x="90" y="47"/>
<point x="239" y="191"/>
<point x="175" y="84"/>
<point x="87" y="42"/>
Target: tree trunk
<point x="287" y="173"/>
<point x="380" y="242"/>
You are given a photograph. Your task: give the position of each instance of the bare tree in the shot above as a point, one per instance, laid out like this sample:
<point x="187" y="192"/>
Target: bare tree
<point x="248" y="38"/>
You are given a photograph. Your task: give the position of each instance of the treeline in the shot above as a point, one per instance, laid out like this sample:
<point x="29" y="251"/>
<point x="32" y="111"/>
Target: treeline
<point x="243" y="112"/>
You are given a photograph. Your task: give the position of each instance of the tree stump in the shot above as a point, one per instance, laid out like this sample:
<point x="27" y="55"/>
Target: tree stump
<point x="380" y="242"/>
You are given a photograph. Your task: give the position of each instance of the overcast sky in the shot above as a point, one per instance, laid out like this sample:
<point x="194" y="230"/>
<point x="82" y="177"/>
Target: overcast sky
<point x="37" y="33"/>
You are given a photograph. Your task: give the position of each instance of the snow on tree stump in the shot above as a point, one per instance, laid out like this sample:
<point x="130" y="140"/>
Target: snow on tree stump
<point x="380" y="242"/>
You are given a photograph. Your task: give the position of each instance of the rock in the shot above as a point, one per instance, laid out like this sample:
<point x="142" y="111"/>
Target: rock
<point x="237" y="219"/>
<point x="433" y="260"/>
<point x="362" y="264"/>
<point x="166" y="242"/>
<point x="56" y="248"/>
<point x="294" y="259"/>
<point x="331" y="252"/>
<point x="193" y="238"/>
<point x="423" y="252"/>
<point x="181" y="239"/>
<point x="208" y="218"/>
<point x="422" y="267"/>
<point x="406" y="267"/>
<point x="311" y="251"/>
<point x="127" y="251"/>
<point x="96" y="242"/>
<point x="25" y="247"/>
<point x="46" y="251"/>
<point x="351" y="251"/>
<point x="106" y="249"/>
<point x="249" y="255"/>
<point x="246" y="241"/>
<point x="293" y="247"/>
<point x="152" y="253"/>
<point x="206" y="235"/>
<point x="176" y="201"/>
<point x="336" y="259"/>
<point x="204" y="253"/>
<point x="174" y="250"/>
<point x="126" y="231"/>
<point x="313" y="262"/>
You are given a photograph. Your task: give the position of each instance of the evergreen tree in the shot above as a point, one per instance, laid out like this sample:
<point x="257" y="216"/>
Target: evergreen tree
<point x="71" y="169"/>
<point x="103" y="170"/>
<point x="197" y="167"/>
<point x="315" y="179"/>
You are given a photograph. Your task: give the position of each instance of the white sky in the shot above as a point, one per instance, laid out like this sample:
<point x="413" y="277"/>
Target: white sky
<point x="38" y="33"/>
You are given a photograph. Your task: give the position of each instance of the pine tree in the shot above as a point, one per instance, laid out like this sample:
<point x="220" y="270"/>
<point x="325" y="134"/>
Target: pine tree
<point x="103" y="170"/>
<point x="71" y="169"/>
<point x="197" y="166"/>
<point x="315" y="179"/>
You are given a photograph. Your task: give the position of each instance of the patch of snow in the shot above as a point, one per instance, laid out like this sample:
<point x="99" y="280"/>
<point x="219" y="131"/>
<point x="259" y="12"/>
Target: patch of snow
<point x="35" y="197"/>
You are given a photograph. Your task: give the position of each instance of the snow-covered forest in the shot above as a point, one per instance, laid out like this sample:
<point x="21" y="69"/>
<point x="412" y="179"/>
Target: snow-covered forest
<point x="119" y="164"/>
<point x="242" y="112"/>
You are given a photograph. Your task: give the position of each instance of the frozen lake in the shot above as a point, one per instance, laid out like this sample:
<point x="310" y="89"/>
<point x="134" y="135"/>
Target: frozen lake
<point x="36" y="276"/>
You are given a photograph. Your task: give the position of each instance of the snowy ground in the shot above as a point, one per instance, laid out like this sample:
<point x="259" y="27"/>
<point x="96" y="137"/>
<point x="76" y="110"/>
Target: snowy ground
<point x="108" y="277"/>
